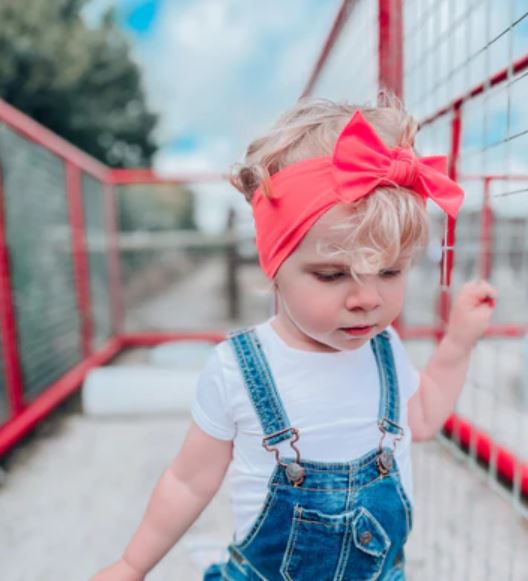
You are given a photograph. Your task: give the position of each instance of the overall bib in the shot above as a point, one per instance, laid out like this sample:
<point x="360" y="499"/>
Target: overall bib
<point x="342" y="521"/>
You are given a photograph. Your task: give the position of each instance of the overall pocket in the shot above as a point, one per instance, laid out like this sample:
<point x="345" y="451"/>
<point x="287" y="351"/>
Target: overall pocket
<point x="349" y="547"/>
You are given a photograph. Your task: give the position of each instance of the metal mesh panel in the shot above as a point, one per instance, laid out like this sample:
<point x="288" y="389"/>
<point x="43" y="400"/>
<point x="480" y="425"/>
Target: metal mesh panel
<point x="421" y="307"/>
<point x="471" y="53"/>
<point x="96" y="243"/>
<point x="38" y="237"/>
<point x="493" y="167"/>
<point x="351" y="71"/>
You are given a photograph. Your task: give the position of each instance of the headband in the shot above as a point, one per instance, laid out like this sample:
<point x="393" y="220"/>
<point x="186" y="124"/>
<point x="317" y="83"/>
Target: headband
<point x="303" y="191"/>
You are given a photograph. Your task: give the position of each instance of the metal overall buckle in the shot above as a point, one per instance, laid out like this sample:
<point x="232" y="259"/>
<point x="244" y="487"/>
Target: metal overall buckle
<point x="294" y="470"/>
<point x="385" y="458"/>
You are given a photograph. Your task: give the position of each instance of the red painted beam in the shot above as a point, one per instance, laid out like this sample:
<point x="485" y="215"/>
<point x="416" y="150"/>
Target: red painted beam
<point x="37" y="133"/>
<point x="339" y="21"/>
<point x="493" y="177"/>
<point x="115" y="282"/>
<point x="390" y="46"/>
<point x="15" y="429"/>
<point x="156" y="338"/>
<point x="518" y="66"/>
<point x="448" y="242"/>
<point x="81" y="268"/>
<point x="132" y="176"/>
<point x="12" y="369"/>
<point x="486" y="233"/>
<point x="503" y="331"/>
<point x="465" y="434"/>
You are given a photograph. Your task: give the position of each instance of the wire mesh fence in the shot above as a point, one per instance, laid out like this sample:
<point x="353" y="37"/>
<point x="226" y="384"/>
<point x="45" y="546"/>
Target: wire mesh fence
<point x="41" y="268"/>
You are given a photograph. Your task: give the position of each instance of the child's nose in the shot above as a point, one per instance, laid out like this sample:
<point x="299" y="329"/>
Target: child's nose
<point x="363" y="297"/>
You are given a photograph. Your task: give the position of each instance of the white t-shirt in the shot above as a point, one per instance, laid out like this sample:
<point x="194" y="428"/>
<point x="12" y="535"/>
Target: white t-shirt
<point x="332" y="398"/>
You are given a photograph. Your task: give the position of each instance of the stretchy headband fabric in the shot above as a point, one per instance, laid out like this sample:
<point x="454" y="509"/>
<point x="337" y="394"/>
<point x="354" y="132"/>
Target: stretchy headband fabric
<point x="302" y="192"/>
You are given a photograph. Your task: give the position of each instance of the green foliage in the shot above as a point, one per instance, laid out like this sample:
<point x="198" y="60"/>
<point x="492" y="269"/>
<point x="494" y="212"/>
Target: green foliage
<point x="155" y="208"/>
<point x="78" y="81"/>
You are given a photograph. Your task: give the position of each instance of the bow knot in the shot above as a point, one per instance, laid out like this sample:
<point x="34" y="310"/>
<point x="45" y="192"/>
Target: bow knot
<point x="362" y="162"/>
<point x="403" y="169"/>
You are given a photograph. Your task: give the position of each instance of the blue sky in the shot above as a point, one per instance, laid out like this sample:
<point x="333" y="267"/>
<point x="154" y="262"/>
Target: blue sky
<point x="220" y="71"/>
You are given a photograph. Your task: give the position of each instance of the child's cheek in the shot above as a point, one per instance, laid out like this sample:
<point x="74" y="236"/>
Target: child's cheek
<point x="322" y="308"/>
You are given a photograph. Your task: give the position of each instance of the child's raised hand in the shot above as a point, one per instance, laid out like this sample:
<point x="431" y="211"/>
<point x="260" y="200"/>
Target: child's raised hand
<point x="471" y="313"/>
<point x="119" y="571"/>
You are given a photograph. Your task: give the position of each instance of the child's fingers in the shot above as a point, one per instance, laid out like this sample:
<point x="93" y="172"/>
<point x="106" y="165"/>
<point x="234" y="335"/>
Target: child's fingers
<point x="489" y="300"/>
<point x="484" y="291"/>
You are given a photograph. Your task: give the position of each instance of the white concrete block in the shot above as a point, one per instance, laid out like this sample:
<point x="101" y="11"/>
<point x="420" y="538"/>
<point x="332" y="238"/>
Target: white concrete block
<point x="138" y="390"/>
<point x="181" y="354"/>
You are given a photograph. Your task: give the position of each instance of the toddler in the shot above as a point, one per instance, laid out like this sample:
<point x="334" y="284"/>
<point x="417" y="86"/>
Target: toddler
<point x="314" y="409"/>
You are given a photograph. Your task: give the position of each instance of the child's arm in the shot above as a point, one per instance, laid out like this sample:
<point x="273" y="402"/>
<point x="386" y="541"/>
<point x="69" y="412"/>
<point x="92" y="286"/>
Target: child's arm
<point x="181" y="494"/>
<point x="443" y="377"/>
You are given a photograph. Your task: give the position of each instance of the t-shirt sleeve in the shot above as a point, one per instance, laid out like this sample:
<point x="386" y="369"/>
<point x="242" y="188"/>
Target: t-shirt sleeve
<point x="210" y="409"/>
<point x="408" y="375"/>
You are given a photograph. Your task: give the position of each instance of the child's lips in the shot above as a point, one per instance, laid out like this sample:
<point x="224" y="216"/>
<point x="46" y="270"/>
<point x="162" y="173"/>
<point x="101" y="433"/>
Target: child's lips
<point x="356" y="331"/>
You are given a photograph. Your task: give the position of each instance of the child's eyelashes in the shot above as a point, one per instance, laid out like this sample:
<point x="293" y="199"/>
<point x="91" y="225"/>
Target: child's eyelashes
<point x="334" y="276"/>
<point x="390" y="273"/>
<point x="329" y="277"/>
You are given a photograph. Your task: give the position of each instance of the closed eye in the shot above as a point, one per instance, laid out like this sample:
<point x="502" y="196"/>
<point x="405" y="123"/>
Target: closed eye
<point x="390" y="273"/>
<point x="329" y="277"/>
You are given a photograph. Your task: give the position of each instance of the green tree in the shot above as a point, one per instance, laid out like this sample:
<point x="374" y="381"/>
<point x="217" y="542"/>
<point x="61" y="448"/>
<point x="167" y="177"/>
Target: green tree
<point x="78" y="81"/>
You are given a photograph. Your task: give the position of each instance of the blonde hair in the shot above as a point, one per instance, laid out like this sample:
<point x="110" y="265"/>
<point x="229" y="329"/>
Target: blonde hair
<point x="384" y="225"/>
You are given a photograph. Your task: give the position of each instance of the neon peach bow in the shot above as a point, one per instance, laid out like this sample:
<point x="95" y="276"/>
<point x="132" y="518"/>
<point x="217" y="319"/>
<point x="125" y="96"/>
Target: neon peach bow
<point x="361" y="162"/>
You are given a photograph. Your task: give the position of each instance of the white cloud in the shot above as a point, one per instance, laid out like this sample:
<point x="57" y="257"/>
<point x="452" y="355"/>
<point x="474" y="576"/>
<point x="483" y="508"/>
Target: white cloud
<point x="225" y="70"/>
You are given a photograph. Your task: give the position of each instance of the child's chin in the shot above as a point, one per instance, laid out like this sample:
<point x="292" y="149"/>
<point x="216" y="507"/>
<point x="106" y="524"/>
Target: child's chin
<point x="352" y="345"/>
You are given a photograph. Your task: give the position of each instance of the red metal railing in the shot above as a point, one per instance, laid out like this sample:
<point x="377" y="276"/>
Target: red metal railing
<point x="24" y="413"/>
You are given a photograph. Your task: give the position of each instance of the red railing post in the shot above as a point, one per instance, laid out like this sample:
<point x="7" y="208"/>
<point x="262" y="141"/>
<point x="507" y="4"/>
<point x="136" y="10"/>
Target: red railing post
<point x="113" y="258"/>
<point x="486" y="226"/>
<point x="12" y="368"/>
<point x="448" y="242"/>
<point x="390" y="46"/>
<point x="390" y="64"/>
<point x="339" y="21"/>
<point x="80" y="258"/>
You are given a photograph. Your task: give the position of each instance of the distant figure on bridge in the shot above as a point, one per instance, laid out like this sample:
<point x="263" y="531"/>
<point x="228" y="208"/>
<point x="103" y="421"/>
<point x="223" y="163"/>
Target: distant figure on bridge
<point x="314" y="409"/>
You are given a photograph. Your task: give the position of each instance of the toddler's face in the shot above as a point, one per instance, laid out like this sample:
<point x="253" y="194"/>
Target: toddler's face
<point x="321" y="305"/>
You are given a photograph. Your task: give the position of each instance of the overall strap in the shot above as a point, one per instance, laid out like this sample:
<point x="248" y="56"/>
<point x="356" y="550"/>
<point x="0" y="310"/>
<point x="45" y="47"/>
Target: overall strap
<point x="261" y="387"/>
<point x="389" y="407"/>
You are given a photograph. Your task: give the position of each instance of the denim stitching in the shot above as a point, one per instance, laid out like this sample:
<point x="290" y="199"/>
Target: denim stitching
<point x="345" y="467"/>
<point x="267" y="388"/>
<point x="382" y="380"/>
<point x="261" y="386"/>
<point x="292" y="540"/>
<point x="265" y="371"/>
<point x="249" y="371"/>
<point x="389" y="407"/>
<point x="371" y="518"/>
<point x="407" y="506"/>
<point x="345" y="551"/>
<point x="392" y="378"/>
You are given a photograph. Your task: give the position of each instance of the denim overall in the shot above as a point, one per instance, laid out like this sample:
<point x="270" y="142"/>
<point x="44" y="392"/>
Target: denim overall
<point x="342" y="521"/>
